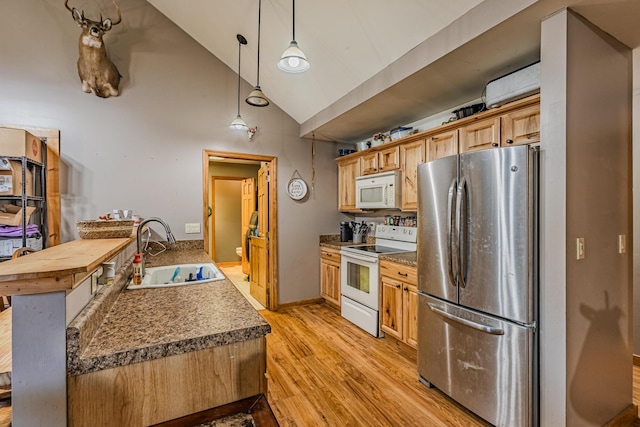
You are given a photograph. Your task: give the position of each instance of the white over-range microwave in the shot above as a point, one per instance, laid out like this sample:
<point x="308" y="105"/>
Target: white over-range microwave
<point x="378" y="191"/>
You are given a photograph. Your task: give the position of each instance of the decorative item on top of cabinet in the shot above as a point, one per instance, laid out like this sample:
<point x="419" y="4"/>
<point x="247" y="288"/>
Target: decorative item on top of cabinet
<point x="399" y="302"/>
<point x="521" y="126"/>
<point x="330" y="276"/>
<point x="442" y="144"/>
<point x="384" y="160"/>
<point x="348" y="170"/>
<point x="480" y="135"/>
<point x="411" y="154"/>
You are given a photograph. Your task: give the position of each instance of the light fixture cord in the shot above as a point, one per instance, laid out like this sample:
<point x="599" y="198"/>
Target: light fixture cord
<point x="239" y="49"/>
<point x="293" y="18"/>
<point x="259" y="13"/>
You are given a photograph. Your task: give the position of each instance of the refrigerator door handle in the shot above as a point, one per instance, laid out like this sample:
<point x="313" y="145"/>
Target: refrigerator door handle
<point x="480" y="327"/>
<point x="452" y="195"/>
<point x="460" y="234"/>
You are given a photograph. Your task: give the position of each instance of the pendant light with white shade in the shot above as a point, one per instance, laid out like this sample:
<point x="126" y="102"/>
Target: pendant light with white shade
<point x="293" y="60"/>
<point x="238" y="123"/>
<point x="256" y="97"/>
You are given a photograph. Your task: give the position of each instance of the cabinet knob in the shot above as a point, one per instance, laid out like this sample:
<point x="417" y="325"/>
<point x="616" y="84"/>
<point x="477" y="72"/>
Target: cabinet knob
<point x="406" y="289"/>
<point x="509" y="141"/>
<point x="494" y="144"/>
<point x="398" y="286"/>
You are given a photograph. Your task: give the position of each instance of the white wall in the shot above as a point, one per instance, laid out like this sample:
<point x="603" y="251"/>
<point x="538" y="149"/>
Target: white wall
<point x="143" y="149"/>
<point x="586" y="336"/>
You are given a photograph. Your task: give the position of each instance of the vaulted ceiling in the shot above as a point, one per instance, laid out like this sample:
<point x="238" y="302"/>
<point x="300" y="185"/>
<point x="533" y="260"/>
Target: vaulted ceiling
<point x="377" y="64"/>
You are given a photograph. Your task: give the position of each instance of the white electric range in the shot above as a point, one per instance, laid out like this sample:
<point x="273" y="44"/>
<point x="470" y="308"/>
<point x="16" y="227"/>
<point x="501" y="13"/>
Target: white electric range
<point x="360" y="275"/>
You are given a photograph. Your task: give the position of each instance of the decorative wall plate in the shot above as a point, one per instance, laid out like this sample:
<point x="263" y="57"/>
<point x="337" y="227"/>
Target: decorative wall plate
<point x="297" y="188"/>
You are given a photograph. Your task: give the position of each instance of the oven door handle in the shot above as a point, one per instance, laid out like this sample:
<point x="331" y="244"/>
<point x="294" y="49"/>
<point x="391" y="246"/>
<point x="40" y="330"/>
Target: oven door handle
<point x="350" y="255"/>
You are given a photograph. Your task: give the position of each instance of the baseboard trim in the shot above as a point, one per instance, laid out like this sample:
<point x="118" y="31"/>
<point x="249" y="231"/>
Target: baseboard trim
<point x="303" y="302"/>
<point x="625" y="418"/>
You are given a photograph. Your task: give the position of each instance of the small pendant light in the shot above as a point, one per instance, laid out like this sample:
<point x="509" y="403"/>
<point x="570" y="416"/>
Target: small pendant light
<point x="256" y="97"/>
<point x="293" y="60"/>
<point x="238" y="123"/>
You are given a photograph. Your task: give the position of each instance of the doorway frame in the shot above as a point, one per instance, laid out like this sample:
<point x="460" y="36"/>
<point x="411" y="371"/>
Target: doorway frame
<point x="212" y="203"/>
<point x="273" y="212"/>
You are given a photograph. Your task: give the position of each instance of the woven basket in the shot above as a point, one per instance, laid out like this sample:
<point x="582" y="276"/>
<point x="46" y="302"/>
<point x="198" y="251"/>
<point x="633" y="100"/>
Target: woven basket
<point x="111" y="229"/>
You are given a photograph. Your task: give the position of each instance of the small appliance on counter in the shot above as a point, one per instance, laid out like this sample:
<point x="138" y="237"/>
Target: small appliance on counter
<point x="346" y="234"/>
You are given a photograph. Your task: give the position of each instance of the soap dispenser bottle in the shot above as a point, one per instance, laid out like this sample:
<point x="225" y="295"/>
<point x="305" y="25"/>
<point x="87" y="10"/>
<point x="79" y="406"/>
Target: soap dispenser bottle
<point x="137" y="269"/>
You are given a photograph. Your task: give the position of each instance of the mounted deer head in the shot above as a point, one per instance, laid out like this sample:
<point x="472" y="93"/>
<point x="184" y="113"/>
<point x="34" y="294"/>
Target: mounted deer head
<point x="97" y="72"/>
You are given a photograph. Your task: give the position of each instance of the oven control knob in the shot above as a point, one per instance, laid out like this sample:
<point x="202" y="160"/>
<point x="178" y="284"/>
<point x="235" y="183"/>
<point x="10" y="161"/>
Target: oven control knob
<point x="383" y="229"/>
<point x="410" y="232"/>
<point x="404" y="231"/>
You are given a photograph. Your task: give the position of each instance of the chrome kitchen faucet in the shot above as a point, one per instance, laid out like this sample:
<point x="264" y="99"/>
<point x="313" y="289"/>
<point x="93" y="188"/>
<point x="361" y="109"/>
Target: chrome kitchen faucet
<point x="170" y="238"/>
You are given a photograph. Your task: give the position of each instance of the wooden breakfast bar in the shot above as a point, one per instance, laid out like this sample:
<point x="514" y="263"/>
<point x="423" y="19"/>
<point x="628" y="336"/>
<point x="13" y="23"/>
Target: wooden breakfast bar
<point x="68" y="354"/>
<point x="38" y="284"/>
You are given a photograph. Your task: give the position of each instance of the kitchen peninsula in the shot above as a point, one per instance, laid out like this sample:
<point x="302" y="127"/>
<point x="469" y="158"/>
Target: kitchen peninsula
<point x="144" y="356"/>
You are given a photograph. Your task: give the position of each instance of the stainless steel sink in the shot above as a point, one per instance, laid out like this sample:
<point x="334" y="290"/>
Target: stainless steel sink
<point x="178" y="275"/>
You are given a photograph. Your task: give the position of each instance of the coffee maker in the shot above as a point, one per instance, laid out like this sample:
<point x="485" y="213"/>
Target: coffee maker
<point x="346" y="234"/>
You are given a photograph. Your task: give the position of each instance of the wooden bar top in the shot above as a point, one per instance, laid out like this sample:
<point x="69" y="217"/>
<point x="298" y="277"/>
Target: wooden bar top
<point x="57" y="268"/>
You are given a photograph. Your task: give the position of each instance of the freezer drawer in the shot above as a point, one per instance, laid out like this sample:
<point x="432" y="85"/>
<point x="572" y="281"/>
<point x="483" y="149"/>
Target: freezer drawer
<point x="484" y="363"/>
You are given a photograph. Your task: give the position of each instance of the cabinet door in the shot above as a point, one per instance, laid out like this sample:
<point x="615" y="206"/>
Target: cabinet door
<point x="348" y="170"/>
<point x="521" y="126"/>
<point x="330" y="282"/>
<point x="410" y="314"/>
<point x="389" y="159"/>
<point x="391" y="307"/>
<point x="369" y="163"/>
<point x="442" y="145"/>
<point x="411" y="155"/>
<point x="480" y="135"/>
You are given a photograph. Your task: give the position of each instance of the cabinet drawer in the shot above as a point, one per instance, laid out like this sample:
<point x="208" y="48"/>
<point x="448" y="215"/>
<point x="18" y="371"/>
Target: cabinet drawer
<point x="330" y="256"/>
<point x="400" y="272"/>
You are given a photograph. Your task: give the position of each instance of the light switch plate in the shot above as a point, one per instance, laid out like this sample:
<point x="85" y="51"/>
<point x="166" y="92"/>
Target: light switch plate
<point x="580" y="248"/>
<point x="622" y="243"/>
<point x="192" y="228"/>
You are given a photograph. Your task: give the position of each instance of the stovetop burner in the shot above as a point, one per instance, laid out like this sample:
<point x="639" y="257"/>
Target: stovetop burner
<point x="376" y="249"/>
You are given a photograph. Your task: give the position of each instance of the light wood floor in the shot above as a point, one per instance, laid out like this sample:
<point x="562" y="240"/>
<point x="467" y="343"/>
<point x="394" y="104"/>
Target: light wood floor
<point x="323" y="370"/>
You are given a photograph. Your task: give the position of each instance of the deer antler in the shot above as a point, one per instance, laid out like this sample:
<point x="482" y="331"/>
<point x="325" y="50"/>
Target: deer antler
<point x="119" y="14"/>
<point x="66" y="4"/>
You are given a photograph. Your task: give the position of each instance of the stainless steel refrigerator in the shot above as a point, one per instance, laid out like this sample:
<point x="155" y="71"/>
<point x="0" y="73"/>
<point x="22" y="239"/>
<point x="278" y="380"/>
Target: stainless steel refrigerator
<point x="478" y="281"/>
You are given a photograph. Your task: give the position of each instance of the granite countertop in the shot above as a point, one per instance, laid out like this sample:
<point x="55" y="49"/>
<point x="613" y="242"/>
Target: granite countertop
<point x="407" y="258"/>
<point x="146" y="324"/>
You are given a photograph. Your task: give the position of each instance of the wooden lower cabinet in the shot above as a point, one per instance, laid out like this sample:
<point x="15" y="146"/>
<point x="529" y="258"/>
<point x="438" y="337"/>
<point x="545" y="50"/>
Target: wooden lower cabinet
<point x="399" y="301"/>
<point x="330" y="276"/>
<point x="155" y="391"/>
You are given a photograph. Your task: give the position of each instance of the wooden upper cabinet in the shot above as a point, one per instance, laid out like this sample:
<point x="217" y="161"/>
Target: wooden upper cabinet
<point x="521" y="126"/>
<point x="348" y="170"/>
<point x="369" y="163"/>
<point x="442" y="144"/>
<point x="480" y="135"/>
<point x="384" y="160"/>
<point x="389" y="159"/>
<point x="411" y="154"/>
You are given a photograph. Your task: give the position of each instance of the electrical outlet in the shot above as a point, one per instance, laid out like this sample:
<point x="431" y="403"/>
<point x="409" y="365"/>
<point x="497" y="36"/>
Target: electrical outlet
<point x="192" y="228"/>
<point x="94" y="280"/>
